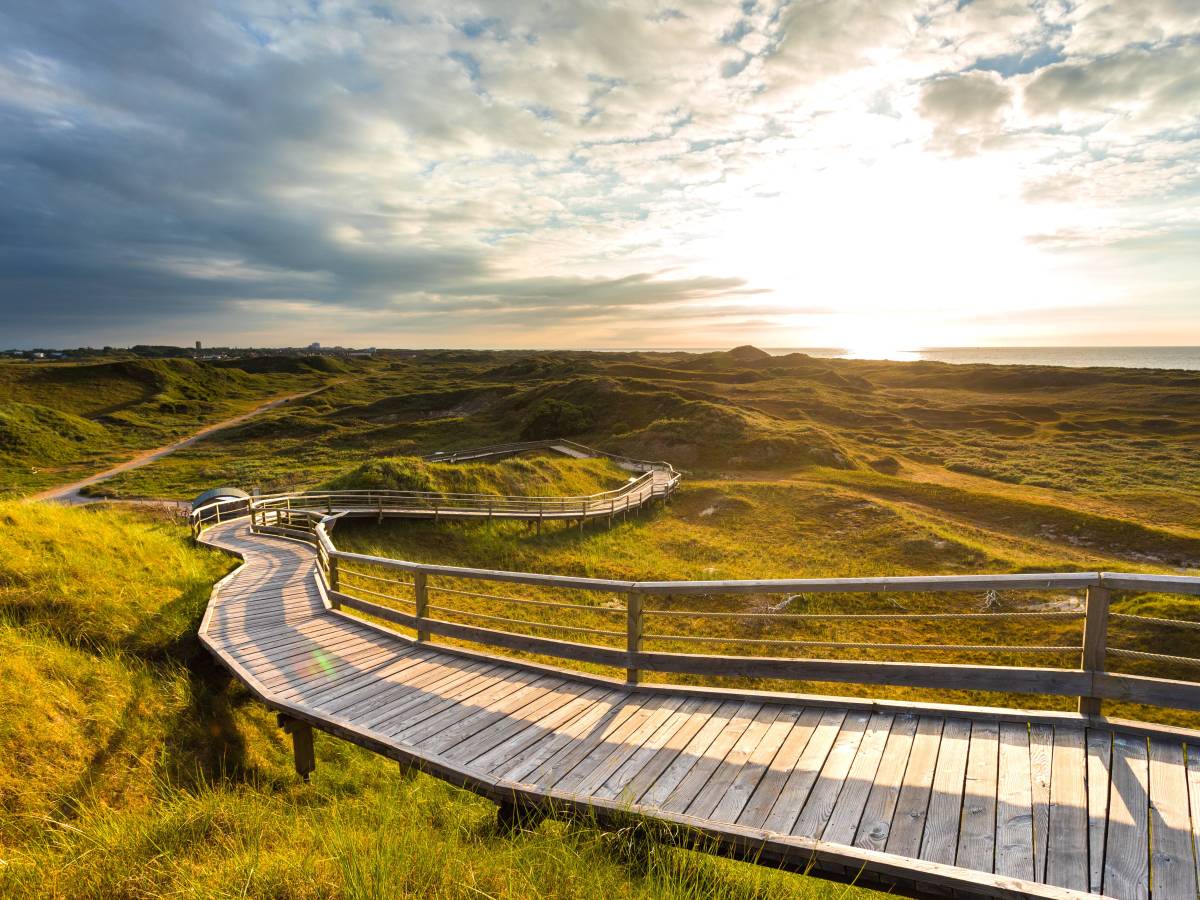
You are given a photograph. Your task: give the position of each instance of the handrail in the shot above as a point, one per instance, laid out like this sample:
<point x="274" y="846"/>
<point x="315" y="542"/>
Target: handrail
<point x="311" y="517"/>
<point x="453" y="456"/>
<point x="640" y="489"/>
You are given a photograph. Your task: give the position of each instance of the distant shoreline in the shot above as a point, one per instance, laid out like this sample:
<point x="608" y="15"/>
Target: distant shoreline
<point x="1166" y="358"/>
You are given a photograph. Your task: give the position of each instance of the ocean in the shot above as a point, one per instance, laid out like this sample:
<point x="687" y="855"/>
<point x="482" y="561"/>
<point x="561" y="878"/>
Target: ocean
<point x="1074" y="357"/>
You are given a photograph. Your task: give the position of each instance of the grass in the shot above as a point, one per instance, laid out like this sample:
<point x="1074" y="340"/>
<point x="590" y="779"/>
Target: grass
<point x="131" y="766"/>
<point x="1124" y="440"/>
<point x="540" y="474"/>
<point x="136" y="768"/>
<point x="61" y="421"/>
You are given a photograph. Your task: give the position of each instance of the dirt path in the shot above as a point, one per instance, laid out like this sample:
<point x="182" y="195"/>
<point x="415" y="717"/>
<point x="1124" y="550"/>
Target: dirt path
<point x="69" y="493"/>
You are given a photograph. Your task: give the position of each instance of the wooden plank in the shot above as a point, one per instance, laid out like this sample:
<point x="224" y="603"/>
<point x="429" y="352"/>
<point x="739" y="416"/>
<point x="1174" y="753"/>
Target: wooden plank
<point x="1126" y="851"/>
<point x="324" y="668"/>
<point x="462" y="703"/>
<point x="595" y="717"/>
<point x="721" y="780"/>
<point x="943" y="676"/>
<point x="318" y="660"/>
<point x="939" y="843"/>
<point x="363" y="705"/>
<point x="448" y="683"/>
<point x="1014" y="804"/>
<point x="533" y="714"/>
<point x="876" y="821"/>
<point x="1145" y="689"/>
<point x="440" y="680"/>
<point x="1193" y="777"/>
<point x="371" y="680"/>
<point x="823" y="796"/>
<point x="438" y="737"/>
<point x="691" y="755"/>
<point x="977" y="830"/>
<point x="912" y="807"/>
<point x="293" y="666"/>
<point x="848" y="809"/>
<point x="691" y="785"/>
<point x="234" y="637"/>
<point x="550" y="771"/>
<point x="533" y="731"/>
<point x="1041" y="759"/>
<point x="343" y="647"/>
<point x="1172" y="867"/>
<point x="621" y="780"/>
<point x="739" y="792"/>
<point x="767" y="791"/>
<point x="596" y="768"/>
<point x="1099" y="766"/>
<point x="1067" y="835"/>
<point x="793" y="794"/>
<point x="674" y="752"/>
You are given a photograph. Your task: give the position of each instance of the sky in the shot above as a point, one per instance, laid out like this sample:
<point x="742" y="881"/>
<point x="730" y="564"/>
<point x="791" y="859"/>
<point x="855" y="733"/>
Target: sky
<point x="871" y="175"/>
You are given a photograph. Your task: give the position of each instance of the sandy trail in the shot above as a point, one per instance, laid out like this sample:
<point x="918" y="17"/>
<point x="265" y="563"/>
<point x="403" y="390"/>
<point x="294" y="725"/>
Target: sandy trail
<point x="69" y="493"/>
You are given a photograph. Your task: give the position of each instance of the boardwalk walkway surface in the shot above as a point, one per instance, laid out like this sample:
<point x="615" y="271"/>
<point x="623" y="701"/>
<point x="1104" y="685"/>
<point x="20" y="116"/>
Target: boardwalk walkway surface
<point x="921" y="799"/>
<point x="985" y="804"/>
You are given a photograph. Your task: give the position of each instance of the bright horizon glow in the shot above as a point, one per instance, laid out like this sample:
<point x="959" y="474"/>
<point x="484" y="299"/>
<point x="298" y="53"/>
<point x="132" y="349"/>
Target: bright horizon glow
<point x="877" y="176"/>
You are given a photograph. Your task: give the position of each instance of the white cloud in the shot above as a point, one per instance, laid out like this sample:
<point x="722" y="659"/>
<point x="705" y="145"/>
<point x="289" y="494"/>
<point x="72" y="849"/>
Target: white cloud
<point x="402" y="163"/>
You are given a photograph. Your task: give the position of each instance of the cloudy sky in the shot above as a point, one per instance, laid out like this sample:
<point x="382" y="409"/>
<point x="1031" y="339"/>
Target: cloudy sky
<point x="888" y="174"/>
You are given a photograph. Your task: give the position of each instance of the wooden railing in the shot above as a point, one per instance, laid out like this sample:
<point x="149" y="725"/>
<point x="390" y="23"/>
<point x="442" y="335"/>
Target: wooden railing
<point x="499" y="450"/>
<point x="658" y="481"/>
<point x="643" y="627"/>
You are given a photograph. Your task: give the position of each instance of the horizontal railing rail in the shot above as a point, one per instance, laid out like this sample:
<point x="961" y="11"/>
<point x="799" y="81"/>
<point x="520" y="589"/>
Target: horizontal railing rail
<point x="495" y="450"/>
<point x="602" y="621"/>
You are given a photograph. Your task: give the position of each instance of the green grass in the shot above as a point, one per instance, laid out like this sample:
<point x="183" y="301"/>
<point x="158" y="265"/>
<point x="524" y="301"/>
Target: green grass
<point x="136" y="768"/>
<point x="132" y="766"/>
<point x="529" y="475"/>
<point x="63" y="421"/>
<point x="1119" y="441"/>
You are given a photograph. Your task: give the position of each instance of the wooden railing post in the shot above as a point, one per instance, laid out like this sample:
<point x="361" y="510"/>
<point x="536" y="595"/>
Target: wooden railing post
<point x="1095" y="641"/>
<point x="633" y="636"/>
<point x="335" y="583"/>
<point x="421" y="595"/>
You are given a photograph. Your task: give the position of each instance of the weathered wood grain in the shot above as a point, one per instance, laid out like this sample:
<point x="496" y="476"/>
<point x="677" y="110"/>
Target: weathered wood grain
<point x="961" y="790"/>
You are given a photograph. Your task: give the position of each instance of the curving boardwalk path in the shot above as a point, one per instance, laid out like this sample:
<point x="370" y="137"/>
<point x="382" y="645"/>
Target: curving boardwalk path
<point x="924" y="799"/>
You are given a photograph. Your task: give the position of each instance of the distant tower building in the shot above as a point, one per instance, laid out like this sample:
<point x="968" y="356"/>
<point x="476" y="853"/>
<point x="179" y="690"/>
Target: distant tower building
<point x="315" y="345"/>
<point x="197" y="346"/>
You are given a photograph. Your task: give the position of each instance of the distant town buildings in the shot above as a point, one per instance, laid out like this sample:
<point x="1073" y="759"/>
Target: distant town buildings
<point x="197" y="352"/>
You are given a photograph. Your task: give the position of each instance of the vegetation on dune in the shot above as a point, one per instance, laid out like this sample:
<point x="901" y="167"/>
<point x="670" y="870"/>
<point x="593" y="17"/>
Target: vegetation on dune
<point x="527" y="475"/>
<point x="1125" y="440"/>
<point x="29" y="431"/>
<point x="130" y="765"/>
<point x="60" y="421"/>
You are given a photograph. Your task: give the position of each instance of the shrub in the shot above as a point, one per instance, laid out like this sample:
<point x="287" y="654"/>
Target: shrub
<point x="551" y="418"/>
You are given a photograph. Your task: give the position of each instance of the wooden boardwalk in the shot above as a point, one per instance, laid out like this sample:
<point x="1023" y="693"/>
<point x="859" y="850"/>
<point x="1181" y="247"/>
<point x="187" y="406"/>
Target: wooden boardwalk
<point x="925" y="799"/>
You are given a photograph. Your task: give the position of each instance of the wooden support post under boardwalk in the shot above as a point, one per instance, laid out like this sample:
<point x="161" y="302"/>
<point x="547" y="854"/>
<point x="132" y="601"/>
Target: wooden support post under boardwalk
<point x="515" y="815"/>
<point x="302" y="744"/>
<point x="1095" y="641"/>
<point x="633" y="635"/>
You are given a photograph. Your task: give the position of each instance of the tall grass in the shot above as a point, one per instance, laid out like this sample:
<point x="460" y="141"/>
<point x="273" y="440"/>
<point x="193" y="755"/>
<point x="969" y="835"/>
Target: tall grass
<point x="131" y="766"/>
